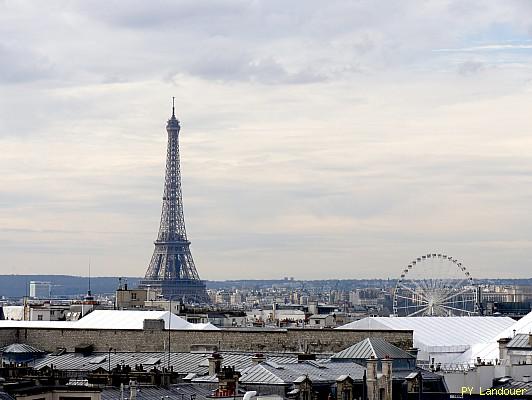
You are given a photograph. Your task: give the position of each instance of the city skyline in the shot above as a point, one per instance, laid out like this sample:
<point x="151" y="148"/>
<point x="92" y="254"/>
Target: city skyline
<point x="325" y="141"/>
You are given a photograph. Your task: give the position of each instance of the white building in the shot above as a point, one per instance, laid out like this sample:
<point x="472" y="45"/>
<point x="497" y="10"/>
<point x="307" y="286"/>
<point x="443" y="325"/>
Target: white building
<point x="40" y="290"/>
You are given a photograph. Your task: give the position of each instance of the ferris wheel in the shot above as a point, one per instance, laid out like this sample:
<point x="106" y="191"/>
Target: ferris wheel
<point x="434" y="285"/>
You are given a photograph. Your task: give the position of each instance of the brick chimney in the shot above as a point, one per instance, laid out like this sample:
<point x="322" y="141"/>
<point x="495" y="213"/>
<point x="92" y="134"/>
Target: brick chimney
<point x="227" y="382"/>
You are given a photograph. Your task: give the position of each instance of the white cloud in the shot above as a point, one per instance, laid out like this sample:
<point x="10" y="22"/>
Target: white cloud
<point x="319" y="135"/>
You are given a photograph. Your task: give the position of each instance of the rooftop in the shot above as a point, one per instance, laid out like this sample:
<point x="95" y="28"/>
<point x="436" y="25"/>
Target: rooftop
<point x="182" y="363"/>
<point x="372" y="347"/>
<point x="113" y="320"/>
<point x="282" y="374"/>
<point x="19" y="348"/>
<point x="181" y="391"/>
<point x="520" y="341"/>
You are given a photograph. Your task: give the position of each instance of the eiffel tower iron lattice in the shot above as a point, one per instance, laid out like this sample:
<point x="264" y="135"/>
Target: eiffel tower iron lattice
<point x="171" y="272"/>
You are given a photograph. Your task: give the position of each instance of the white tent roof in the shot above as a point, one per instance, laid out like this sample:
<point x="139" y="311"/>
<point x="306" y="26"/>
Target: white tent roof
<point x="128" y="319"/>
<point x="452" y="337"/>
<point x="113" y="319"/>
<point x="490" y="350"/>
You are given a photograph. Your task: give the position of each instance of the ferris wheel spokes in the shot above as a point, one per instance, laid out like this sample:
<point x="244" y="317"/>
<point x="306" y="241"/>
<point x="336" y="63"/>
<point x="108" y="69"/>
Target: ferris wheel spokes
<point x="464" y="291"/>
<point x="434" y="284"/>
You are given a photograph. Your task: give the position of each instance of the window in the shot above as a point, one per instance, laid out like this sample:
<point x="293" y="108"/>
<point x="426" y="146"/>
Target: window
<point x="133" y="296"/>
<point x="39" y="317"/>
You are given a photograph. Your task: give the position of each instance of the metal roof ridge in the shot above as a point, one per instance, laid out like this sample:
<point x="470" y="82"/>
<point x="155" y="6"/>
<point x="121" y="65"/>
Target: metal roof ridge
<point x="372" y="348"/>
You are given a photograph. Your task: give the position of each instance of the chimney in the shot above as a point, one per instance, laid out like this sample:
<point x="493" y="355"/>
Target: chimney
<point x="503" y="351"/>
<point x="413" y="351"/>
<point x="387" y="373"/>
<point x="227" y="382"/>
<point x="132" y="390"/>
<point x="371" y="378"/>
<point x="258" y="358"/>
<point x="215" y="363"/>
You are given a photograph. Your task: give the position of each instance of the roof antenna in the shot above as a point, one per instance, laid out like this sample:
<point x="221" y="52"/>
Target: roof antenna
<point x="89" y="291"/>
<point x="173" y="107"/>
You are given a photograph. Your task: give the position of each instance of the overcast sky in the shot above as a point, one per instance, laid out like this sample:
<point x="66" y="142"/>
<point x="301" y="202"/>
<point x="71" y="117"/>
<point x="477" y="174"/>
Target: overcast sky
<point x="320" y="139"/>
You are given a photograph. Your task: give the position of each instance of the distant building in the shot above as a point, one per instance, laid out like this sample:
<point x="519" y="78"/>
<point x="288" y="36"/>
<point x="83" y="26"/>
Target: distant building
<point x="322" y="321"/>
<point x="40" y="290"/>
<point x="126" y="298"/>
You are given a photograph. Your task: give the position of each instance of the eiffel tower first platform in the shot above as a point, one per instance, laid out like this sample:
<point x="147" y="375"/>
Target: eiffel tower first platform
<point x="172" y="273"/>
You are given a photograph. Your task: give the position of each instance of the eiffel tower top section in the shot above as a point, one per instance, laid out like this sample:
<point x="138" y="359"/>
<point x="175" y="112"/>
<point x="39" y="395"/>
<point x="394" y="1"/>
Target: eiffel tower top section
<point x="173" y="122"/>
<point x="172" y="227"/>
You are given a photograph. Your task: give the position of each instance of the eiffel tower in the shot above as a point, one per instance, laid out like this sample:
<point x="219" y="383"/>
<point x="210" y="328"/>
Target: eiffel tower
<point x="171" y="272"/>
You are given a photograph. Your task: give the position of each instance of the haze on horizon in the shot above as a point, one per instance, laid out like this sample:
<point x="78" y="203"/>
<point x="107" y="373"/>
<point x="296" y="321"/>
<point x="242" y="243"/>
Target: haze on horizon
<point x="319" y="140"/>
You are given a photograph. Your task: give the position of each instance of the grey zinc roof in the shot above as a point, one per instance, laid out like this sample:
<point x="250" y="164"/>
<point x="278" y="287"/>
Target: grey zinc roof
<point x="372" y="347"/>
<point x="427" y="375"/>
<point x="183" y="363"/>
<point x="20" y="348"/>
<point x="283" y="374"/>
<point x="511" y="383"/>
<point x="5" y="396"/>
<point x="520" y="341"/>
<point x="175" y="392"/>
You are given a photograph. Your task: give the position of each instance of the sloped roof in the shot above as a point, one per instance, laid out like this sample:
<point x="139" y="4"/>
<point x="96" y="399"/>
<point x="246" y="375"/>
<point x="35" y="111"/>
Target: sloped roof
<point x="524" y="325"/>
<point x="20" y="348"/>
<point x="128" y="319"/>
<point x="5" y="396"/>
<point x="282" y="374"/>
<point x="490" y="349"/>
<point x="426" y="374"/>
<point x="520" y="341"/>
<point x="372" y="347"/>
<point x="112" y="319"/>
<point x="451" y="334"/>
<point x="180" y="391"/>
<point x="182" y="362"/>
<point x="510" y="383"/>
